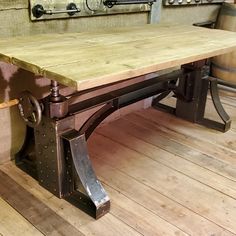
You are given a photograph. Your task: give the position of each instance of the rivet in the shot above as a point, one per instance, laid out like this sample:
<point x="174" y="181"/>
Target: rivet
<point x="45" y="146"/>
<point x="44" y="135"/>
<point x="53" y="151"/>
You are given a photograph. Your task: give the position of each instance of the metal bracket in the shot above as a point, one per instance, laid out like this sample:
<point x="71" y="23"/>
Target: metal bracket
<point x="89" y="193"/>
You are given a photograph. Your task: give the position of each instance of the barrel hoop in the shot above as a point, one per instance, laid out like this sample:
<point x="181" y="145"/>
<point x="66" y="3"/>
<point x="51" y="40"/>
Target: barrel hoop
<point x="232" y="69"/>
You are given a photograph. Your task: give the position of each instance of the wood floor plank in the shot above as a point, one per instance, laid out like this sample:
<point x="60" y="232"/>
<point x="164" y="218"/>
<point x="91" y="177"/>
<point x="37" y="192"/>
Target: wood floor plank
<point x="143" y="141"/>
<point x="216" y="159"/>
<point x="64" y="209"/>
<point x="173" y="184"/>
<point x="226" y="140"/>
<point x="155" y="202"/>
<point x="196" y="140"/>
<point x="110" y="226"/>
<point x="140" y="218"/>
<point x="210" y="112"/>
<point x="228" y="98"/>
<point x="73" y="215"/>
<point x="36" y="212"/>
<point x="13" y="224"/>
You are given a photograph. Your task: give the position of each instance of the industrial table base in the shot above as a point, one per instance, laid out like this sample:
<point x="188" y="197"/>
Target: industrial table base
<point x="61" y="160"/>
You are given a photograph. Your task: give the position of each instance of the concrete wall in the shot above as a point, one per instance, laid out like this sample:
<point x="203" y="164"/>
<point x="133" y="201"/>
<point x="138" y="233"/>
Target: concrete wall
<point x="14" y="18"/>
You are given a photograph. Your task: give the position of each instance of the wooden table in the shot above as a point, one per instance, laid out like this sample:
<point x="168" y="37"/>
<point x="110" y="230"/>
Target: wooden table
<point x="89" y="60"/>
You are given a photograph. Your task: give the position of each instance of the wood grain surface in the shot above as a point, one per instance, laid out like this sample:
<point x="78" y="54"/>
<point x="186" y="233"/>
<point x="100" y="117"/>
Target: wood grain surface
<point x="90" y="59"/>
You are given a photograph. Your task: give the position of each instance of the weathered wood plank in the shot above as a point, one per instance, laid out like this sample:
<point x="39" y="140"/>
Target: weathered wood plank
<point x="138" y="217"/>
<point x="13" y="224"/>
<point x="154" y="201"/>
<point x="169" y="182"/>
<point x="86" y="63"/>
<point x="143" y="140"/>
<point x="193" y="130"/>
<point x="211" y="157"/>
<point x="36" y="212"/>
<point x="111" y="223"/>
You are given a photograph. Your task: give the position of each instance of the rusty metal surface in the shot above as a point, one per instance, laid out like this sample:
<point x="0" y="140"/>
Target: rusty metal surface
<point x="50" y="162"/>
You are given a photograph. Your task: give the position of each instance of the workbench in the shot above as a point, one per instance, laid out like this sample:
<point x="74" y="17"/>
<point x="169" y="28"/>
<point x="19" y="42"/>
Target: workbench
<point x="90" y="60"/>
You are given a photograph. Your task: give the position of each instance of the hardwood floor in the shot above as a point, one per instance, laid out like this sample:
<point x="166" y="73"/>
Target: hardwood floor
<point x="165" y="176"/>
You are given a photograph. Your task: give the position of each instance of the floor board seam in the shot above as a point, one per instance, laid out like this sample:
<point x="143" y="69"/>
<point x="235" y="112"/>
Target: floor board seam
<point x="144" y="155"/>
<point x="197" y="125"/>
<point x="152" y="212"/>
<point x="222" y="227"/>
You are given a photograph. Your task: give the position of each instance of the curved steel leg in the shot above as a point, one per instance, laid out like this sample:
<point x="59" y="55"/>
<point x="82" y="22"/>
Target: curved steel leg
<point x="218" y="105"/>
<point x="89" y="195"/>
<point x="92" y="123"/>
<point x="221" y="126"/>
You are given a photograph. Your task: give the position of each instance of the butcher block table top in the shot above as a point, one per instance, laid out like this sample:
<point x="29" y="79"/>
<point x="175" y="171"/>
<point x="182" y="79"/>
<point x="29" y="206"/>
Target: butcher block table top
<point x="90" y="59"/>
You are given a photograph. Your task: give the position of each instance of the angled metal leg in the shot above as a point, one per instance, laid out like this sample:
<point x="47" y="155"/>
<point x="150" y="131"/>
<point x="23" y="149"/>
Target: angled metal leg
<point x="89" y="193"/>
<point x="225" y="126"/>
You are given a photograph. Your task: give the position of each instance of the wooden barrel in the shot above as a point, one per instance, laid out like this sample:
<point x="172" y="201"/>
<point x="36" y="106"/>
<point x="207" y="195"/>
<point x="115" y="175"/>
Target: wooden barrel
<point x="224" y="66"/>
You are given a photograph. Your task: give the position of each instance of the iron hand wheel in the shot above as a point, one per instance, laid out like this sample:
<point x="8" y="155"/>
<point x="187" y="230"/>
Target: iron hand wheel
<point x="30" y="109"/>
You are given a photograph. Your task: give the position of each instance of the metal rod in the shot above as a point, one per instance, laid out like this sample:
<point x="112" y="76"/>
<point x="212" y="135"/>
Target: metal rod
<point x="55" y="91"/>
<point x="111" y="3"/>
<point x="52" y="12"/>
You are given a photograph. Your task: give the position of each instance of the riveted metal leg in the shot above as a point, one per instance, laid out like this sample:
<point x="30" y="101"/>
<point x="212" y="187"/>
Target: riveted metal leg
<point x="64" y="168"/>
<point x="89" y="194"/>
<point x="52" y="168"/>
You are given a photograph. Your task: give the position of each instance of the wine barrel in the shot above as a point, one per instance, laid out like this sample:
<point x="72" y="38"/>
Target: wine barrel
<point x="224" y="66"/>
